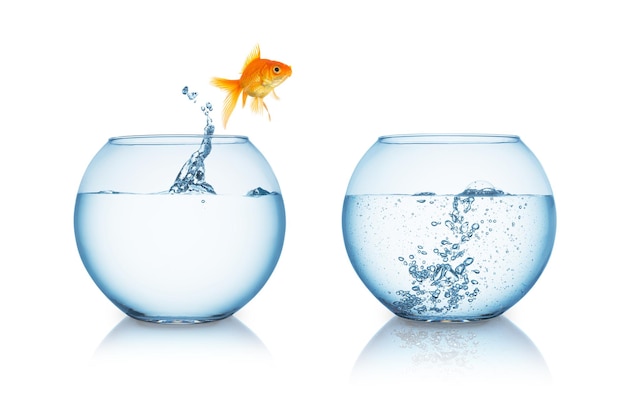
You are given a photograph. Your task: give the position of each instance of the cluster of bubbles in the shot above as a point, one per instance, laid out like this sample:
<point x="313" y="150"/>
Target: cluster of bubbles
<point x="441" y="287"/>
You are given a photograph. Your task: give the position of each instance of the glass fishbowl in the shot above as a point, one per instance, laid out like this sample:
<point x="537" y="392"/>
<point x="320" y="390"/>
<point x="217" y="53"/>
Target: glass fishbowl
<point x="449" y="227"/>
<point x="188" y="249"/>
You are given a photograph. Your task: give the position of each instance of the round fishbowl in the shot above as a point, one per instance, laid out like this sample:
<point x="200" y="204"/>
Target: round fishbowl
<point x="179" y="228"/>
<point x="449" y="227"/>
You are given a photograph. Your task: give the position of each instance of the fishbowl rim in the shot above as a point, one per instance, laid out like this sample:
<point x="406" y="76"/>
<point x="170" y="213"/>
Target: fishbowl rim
<point x="448" y="138"/>
<point x="176" y="139"/>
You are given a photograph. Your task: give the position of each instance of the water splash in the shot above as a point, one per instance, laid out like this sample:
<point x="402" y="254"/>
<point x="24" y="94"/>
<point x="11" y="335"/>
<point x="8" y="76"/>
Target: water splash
<point x="191" y="177"/>
<point x="258" y="192"/>
<point x="483" y="188"/>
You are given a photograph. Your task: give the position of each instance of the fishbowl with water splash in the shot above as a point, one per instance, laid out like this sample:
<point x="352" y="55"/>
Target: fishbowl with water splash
<point x="188" y="248"/>
<point x="449" y="227"/>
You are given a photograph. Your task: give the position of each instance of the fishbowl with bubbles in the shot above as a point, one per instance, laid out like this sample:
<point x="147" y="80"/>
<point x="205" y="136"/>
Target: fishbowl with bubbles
<point x="188" y="248"/>
<point x="449" y="227"/>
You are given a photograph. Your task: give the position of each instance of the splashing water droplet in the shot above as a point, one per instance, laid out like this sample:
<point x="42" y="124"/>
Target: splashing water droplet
<point x="191" y="95"/>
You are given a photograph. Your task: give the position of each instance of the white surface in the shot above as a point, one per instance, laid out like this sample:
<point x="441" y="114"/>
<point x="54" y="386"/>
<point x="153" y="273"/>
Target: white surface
<point x="75" y="74"/>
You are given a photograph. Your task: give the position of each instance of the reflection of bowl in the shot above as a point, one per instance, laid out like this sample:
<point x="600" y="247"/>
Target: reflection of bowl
<point x="216" y="341"/>
<point x="495" y="349"/>
<point x="449" y="227"/>
<point x="179" y="257"/>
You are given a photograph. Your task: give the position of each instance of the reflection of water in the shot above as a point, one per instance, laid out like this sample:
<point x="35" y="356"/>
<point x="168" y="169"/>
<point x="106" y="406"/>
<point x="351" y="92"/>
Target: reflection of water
<point x="218" y="343"/>
<point x="492" y="350"/>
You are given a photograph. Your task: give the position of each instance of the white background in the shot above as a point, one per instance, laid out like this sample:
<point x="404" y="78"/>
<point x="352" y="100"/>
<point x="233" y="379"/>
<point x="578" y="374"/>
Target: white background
<point x="74" y="74"/>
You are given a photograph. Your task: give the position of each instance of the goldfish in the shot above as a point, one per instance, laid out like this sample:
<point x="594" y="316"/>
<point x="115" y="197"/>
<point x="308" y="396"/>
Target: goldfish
<point x="259" y="77"/>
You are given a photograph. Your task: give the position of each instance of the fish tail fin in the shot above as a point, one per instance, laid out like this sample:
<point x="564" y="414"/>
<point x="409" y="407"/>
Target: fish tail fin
<point x="233" y="87"/>
<point x="258" y="105"/>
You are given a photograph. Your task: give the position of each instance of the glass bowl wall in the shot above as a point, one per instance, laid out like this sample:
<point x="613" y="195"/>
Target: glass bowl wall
<point x="449" y="227"/>
<point x="184" y="257"/>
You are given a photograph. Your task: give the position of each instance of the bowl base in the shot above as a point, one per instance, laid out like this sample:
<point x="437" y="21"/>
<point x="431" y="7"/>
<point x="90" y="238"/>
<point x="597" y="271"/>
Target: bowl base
<point x="176" y="319"/>
<point x="443" y="319"/>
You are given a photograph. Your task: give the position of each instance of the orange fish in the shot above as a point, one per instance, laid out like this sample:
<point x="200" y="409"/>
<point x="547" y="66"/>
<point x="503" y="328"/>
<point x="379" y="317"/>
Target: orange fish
<point x="259" y="77"/>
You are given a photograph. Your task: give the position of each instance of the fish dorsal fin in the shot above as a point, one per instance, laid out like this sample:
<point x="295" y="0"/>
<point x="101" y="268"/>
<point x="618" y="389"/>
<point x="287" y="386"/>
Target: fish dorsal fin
<point x="254" y="55"/>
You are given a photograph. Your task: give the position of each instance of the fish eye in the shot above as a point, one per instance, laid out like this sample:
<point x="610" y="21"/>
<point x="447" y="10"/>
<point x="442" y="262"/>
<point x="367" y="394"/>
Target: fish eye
<point x="276" y="70"/>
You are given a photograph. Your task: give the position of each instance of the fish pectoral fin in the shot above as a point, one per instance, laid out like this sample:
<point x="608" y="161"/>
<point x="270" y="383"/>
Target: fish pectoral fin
<point x="268" y="112"/>
<point x="275" y="95"/>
